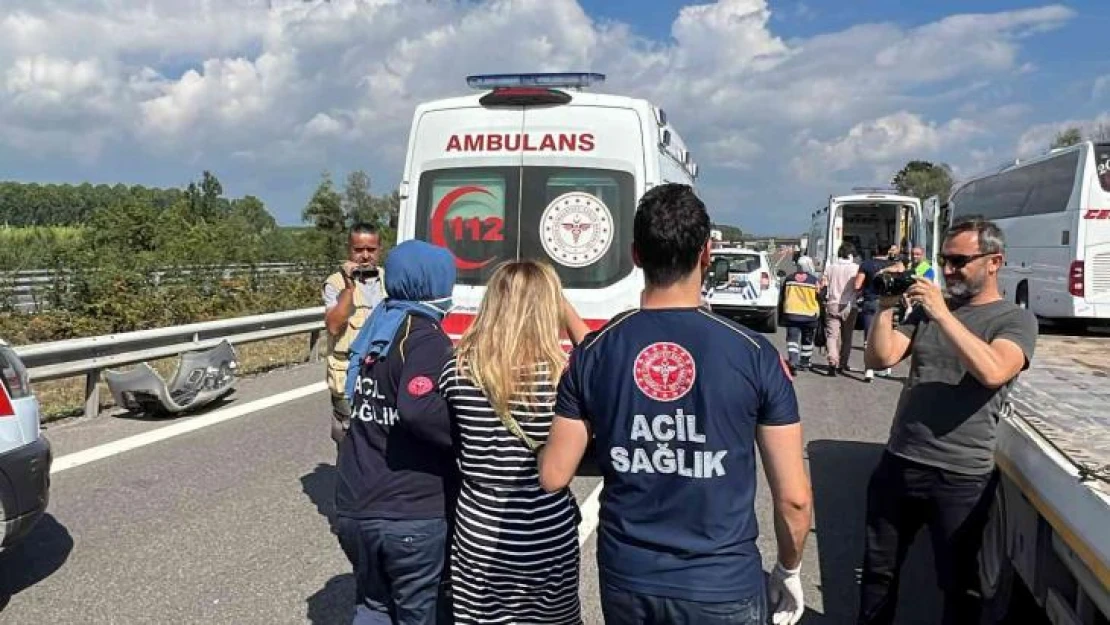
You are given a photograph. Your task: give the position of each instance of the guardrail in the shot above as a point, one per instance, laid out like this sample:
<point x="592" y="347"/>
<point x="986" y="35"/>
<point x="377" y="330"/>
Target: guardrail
<point x="31" y="290"/>
<point x="89" y="356"/>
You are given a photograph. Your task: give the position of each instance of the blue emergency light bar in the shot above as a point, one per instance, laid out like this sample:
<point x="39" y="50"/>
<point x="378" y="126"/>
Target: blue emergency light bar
<point x="552" y="80"/>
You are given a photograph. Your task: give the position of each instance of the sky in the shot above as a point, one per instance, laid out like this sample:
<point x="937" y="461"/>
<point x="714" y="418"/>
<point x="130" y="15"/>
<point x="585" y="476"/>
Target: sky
<point x="781" y="102"/>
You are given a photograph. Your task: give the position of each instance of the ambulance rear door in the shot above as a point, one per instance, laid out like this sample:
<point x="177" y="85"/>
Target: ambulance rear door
<point x="579" y="192"/>
<point x="466" y="163"/>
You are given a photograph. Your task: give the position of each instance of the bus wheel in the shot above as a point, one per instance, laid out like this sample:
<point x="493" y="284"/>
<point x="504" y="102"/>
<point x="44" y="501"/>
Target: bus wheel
<point x="1022" y="298"/>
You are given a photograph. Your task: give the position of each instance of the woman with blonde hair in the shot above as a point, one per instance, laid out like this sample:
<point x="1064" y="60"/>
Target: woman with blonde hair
<point x="514" y="555"/>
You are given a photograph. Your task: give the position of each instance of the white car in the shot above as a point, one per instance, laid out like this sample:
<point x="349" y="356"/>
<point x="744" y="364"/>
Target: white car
<point x="740" y="286"/>
<point x="25" y="454"/>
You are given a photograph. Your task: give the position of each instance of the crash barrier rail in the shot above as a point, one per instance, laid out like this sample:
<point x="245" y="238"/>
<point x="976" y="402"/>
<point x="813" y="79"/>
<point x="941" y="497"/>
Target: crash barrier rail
<point x="90" y="356"/>
<point x="29" y="291"/>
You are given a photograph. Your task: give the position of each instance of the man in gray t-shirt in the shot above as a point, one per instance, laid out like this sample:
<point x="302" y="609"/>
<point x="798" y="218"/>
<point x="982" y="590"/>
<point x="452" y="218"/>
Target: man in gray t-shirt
<point x="946" y="417"/>
<point x="966" y="345"/>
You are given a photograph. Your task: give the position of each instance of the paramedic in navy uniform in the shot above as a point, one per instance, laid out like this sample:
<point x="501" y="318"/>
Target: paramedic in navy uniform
<point x="676" y="399"/>
<point x="397" y="476"/>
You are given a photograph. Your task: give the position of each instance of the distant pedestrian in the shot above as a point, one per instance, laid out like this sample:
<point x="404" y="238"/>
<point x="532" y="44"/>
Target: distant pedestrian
<point x="801" y="312"/>
<point x="839" y="283"/>
<point x="882" y="260"/>
<point x="921" y="265"/>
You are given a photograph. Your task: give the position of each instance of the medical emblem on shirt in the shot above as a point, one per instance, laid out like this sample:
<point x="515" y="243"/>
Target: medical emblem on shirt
<point x="664" y="371"/>
<point x="576" y="229"/>
<point x="420" y="385"/>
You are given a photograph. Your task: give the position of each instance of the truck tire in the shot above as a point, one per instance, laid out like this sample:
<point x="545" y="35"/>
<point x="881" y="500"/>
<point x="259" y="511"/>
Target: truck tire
<point x="996" y="570"/>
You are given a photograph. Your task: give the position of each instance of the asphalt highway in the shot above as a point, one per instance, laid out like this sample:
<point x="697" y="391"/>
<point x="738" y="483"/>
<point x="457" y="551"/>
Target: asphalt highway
<point x="229" y="523"/>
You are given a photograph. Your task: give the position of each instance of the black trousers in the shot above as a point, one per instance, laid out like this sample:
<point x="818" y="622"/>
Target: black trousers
<point x="623" y="607"/>
<point x="901" y="497"/>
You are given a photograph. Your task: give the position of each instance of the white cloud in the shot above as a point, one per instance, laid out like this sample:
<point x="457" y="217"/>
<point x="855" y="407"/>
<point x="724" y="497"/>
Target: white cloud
<point x="1101" y="87"/>
<point x="732" y="152"/>
<point x="1037" y="139"/>
<point x="275" y="91"/>
<point x="881" y="144"/>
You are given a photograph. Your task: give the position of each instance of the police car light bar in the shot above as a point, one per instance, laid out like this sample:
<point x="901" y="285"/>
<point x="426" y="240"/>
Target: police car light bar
<point x="555" y="79"/>
<point x="890" y="190"/>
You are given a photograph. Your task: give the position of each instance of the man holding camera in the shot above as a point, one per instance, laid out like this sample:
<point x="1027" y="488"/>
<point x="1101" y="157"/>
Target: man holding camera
<point x="967" y="346"/>
<point x="350" y="295"/>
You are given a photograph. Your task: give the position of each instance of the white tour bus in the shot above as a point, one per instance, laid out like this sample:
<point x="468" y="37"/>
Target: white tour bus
<point x="870" y="217"/>
<point x="532" y="167"/>
<point x="1055" y="213"/>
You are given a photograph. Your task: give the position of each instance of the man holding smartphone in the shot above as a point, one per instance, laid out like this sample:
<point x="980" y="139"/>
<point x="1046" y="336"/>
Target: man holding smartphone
<point x="350" y="295"/>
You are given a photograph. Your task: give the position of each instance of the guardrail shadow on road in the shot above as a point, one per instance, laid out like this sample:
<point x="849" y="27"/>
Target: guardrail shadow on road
<point x="39" y="555"/>
<point x="839" y="471"/>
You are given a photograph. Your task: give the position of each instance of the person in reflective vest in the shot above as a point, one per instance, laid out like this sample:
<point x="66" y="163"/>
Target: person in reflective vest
<point x="800" y="313"/>
<point x="350" y="295"/>
<point x="921" y="265"/>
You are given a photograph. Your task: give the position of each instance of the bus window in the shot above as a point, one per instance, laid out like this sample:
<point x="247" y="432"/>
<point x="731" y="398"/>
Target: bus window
<point x="1051" y="185"/>
<point x="1102" y="164"/>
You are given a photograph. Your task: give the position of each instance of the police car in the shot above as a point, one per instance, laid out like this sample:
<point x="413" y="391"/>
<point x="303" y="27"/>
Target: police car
<point x="740" y="286"/>
<point x="25" y="454"/>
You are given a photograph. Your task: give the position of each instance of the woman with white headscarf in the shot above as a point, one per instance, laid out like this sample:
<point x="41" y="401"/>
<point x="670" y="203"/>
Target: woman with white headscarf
<point x="800" y="313"/>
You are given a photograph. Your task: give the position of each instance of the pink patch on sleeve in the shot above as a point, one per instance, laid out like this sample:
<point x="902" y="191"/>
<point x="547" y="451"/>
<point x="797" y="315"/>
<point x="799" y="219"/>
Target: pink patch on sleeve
<point x="420" y="385"/>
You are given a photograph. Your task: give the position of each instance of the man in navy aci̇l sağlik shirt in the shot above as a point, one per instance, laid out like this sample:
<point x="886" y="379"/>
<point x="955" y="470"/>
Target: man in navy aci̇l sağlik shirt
<point x="676" y="398"/>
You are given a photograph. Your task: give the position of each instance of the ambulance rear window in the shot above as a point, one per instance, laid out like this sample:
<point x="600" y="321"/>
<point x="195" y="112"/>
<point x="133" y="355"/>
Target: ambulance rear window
<point x="472" y="213"/>
<point x="579" y="220"/>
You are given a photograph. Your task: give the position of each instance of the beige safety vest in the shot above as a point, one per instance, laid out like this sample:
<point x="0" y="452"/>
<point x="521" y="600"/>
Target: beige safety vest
<point x="339" y="347"/>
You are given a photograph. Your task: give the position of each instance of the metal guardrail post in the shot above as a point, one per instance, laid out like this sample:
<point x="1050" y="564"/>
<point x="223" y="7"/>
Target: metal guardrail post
<point x="314" y="346"/>
<point x="92" y="392"/>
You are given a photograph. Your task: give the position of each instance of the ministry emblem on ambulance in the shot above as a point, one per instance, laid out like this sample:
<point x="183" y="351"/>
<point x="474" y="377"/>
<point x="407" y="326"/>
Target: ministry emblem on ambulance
<point x="576" y="229"/>
<point x="664" y="371"/>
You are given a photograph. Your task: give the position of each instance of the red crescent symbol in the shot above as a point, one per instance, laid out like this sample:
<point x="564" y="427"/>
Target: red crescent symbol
<point x="440" y="214"/>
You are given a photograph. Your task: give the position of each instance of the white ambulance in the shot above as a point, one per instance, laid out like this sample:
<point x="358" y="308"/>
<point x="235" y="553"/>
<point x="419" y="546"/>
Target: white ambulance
<point x="533" y="167"/>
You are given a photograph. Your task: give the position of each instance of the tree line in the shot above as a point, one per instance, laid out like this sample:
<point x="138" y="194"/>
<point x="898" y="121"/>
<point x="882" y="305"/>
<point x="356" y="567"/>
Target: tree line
<point x="107" y="246"/>
<point x="1074" y="134"/>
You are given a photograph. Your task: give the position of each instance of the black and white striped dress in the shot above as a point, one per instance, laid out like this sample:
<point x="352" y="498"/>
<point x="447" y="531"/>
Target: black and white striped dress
<point x="514" y="554"/>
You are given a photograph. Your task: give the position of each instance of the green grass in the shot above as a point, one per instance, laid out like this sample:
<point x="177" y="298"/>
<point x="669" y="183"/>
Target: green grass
<point x="33" y="247"/>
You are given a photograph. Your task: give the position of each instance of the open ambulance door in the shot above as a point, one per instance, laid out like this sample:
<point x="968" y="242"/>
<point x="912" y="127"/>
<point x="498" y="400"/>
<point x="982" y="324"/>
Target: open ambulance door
<point x="933" y="229"/>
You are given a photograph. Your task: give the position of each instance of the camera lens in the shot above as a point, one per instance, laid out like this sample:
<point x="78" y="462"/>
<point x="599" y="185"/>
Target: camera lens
<point x="887" y="284"/>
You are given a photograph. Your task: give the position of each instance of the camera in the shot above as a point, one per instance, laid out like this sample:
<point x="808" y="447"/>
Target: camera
<point x="891" y="283"/>
<point x="364" y="271"/>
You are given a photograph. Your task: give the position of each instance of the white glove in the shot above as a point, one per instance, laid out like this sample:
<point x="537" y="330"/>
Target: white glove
<point x="784" y="593"/>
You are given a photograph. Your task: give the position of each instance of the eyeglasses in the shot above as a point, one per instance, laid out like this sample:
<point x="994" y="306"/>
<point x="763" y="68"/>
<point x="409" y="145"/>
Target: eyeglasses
<point x="958" y="261"/>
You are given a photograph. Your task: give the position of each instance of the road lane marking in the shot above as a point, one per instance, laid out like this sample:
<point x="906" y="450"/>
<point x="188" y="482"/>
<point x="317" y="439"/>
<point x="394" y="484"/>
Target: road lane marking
<point x="589" y="510"/>
<point x="107" y="450"/>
